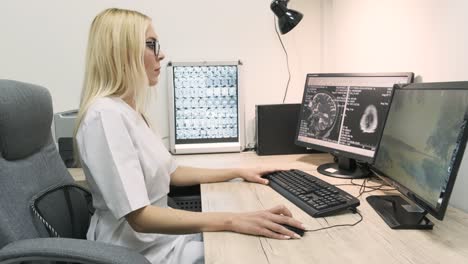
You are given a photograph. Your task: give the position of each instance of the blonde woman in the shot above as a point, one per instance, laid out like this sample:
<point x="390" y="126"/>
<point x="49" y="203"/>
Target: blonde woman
<point x="127" y="166"/>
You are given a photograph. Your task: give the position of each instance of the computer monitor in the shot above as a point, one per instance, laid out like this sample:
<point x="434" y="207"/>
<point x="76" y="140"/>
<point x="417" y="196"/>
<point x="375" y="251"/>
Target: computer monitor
<point x="421" y="149"/>
<point x="343" y="114"/>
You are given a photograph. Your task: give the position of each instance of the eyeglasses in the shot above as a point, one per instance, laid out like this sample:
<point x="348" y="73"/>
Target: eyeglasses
<point x="154" y="45"/>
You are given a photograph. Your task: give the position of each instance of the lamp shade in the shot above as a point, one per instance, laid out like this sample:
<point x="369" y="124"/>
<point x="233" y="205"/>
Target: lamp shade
<point x="287" y="18"/>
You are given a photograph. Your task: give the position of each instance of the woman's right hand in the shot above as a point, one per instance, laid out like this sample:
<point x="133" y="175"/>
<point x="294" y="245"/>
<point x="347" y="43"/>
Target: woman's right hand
<point x="266" y="223"/>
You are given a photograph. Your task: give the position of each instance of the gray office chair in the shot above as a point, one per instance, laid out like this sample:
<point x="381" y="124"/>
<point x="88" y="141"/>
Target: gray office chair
<point x="43" y="214"/>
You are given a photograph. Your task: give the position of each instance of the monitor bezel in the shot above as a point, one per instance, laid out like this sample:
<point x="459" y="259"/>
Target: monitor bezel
<point x="343" y="153"/>
<point x="439" y="211"/>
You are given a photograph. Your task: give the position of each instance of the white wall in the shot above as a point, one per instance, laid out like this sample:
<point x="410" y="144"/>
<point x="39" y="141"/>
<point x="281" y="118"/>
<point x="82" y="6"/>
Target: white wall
<point x="44" y="42"/>
<point x="427" y="37"/>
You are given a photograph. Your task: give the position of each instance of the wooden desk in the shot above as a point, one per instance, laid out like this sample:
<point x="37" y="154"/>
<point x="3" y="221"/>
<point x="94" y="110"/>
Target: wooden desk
<point x="371" y="241"/>
<point x="77" y="174"/>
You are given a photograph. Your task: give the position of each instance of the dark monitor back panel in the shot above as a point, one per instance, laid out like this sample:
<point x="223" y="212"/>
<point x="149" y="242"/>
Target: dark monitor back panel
<point x="276" y="129"/>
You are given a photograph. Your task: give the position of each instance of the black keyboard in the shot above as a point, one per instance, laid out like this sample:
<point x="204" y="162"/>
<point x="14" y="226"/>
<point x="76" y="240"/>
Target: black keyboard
<point x="316" y="197"/>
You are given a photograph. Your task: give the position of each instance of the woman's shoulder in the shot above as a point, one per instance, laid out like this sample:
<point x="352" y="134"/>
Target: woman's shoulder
<point x="105" y="105"/>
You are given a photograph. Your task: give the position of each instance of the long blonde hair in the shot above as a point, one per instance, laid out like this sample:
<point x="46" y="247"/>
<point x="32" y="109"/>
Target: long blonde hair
<point x="115" y="60"/>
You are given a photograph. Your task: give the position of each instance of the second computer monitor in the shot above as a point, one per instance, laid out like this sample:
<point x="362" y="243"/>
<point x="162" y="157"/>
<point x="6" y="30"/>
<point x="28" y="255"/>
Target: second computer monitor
<point x="343" y="114"/>
<point x="420" y="152"/>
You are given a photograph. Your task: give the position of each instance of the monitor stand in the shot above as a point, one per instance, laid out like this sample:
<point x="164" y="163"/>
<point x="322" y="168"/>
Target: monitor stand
<point x="345" y="168"/>
<point x="398" y="213"/>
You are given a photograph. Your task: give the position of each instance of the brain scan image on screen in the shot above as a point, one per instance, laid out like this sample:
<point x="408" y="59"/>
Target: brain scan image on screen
<point x="323" y="114"/>
<point x="347" y="116"/>
<point x="369" y="120"/>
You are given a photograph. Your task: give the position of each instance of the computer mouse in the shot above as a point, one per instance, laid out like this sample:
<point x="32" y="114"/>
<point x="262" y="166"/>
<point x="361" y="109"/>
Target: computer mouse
<point x="296" y="230"/>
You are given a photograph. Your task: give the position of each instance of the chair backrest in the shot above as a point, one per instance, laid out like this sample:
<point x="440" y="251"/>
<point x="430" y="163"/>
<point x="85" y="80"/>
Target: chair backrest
<point x="29" y="161"/>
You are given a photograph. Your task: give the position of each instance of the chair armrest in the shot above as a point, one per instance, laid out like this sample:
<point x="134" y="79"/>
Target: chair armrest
<point x="65" y="249"/>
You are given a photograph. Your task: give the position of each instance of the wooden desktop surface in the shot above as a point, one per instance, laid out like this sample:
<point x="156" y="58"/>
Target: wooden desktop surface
<point x="371" y="241"/>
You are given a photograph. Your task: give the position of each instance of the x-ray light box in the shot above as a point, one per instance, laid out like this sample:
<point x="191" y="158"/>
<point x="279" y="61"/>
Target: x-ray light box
<point x="206" y="111"/>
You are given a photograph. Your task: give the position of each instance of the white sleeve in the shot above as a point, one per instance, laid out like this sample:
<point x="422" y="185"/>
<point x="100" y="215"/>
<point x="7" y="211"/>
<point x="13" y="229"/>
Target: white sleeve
<point x="173" y="165"/>
<point x="108" y="151"/>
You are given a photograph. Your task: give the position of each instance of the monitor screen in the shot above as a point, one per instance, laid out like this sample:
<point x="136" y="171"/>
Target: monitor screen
<point x="422" y="142"/>
<point x="344" y="113"/>
<point x="345" y="118"/>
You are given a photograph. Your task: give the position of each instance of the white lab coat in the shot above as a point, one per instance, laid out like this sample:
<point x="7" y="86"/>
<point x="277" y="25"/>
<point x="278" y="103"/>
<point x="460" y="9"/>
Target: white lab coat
<point x="127" y="167"/>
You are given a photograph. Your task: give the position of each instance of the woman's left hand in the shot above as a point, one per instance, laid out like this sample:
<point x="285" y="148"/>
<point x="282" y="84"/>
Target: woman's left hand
<point x="255" y="174"/>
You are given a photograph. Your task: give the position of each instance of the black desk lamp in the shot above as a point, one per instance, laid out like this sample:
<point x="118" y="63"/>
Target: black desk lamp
<point x="287" y="18"/>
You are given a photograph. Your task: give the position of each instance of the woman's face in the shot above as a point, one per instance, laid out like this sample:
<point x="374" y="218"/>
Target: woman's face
<point x="152" y="63"/>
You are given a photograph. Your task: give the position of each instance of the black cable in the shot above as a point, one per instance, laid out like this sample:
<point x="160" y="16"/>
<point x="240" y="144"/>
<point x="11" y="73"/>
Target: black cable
<point x="363" y="186"/>
<point x="328" y="227"/>
<point x="373" y="188"/>
<point x="287" y="58"/>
